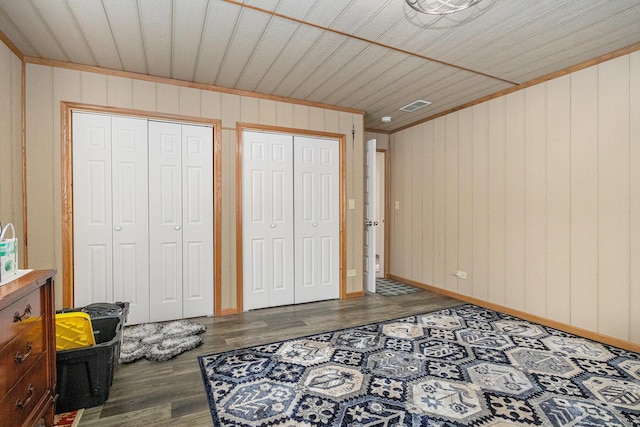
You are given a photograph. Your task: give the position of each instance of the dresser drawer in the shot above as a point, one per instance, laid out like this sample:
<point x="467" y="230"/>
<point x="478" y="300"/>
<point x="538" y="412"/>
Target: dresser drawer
<point x="17" y="406"/>
<point x="21" y="354"/>
<point x="18" y="316"/>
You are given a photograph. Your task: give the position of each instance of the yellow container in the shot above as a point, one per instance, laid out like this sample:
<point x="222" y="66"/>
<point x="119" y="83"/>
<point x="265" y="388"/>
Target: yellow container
<point x="73" y="330"/>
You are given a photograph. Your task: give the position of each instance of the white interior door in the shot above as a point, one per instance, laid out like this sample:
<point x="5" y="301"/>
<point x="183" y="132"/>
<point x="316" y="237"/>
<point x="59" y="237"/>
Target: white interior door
<point x="165" y="221"/>
<point x="267" y="219"/>
<point x="197" y="220"/>
<point x="130" y="182"/>
<point x="92" y="214"/>
<point x="317" y="219"/>
<point x="369" y="217"/>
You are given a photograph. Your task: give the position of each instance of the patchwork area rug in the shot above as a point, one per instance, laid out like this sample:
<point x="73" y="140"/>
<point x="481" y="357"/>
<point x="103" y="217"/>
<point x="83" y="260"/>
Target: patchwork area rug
<point x="464" y="366"/>
<point x="390" y="288"/>
<point x="158" y="342"/>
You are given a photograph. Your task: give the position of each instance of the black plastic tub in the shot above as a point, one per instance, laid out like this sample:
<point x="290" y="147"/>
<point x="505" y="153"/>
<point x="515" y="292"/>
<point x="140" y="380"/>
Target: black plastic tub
<point x="85" y="374"/>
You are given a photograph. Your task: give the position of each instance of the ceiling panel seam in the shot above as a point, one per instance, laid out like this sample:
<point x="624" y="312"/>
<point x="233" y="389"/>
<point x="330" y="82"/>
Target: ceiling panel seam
<point x="226" y="52"/>
<point x="106" y="16"/>
<point x="202" y="33"/>
<point x="173" y="42"/>
<point x="144" y="50"/>
<point x="46" y="26"/>
<point x="253" y="52"/>
<point x="318" y="67"/>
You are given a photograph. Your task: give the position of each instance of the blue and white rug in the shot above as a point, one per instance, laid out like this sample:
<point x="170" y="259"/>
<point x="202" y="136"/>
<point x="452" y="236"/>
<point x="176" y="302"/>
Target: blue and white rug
<point x="464" y="366"/>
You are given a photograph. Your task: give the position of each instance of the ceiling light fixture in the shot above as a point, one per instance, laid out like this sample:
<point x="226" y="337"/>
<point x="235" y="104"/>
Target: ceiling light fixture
<point x="386" y="119"/>
<point x="441" y="7"/>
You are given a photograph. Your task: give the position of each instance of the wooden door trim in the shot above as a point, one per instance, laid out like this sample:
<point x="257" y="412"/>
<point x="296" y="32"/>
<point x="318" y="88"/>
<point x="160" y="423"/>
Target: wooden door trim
<point x="342" y="144"/>
<point x="67" y="108"/>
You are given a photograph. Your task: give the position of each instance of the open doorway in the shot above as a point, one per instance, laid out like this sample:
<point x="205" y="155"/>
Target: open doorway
<point x="381" y="163"/>
<point x="375" y="211"/>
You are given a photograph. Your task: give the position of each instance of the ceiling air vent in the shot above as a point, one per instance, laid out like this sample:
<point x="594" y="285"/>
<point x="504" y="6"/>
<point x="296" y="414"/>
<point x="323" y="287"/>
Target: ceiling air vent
<point x="415" y="105"/>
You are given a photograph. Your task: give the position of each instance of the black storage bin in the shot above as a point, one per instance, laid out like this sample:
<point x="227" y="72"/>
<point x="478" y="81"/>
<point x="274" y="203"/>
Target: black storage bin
<point x="85" y="374"/>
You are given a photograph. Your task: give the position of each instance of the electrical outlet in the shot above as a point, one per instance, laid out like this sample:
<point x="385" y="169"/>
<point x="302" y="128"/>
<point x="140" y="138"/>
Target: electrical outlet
<point x="351" y="273"/>
<point x="460" y="274"/>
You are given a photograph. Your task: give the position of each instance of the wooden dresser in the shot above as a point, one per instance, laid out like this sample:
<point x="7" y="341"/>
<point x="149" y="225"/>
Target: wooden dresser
<point x="28" y="350"/>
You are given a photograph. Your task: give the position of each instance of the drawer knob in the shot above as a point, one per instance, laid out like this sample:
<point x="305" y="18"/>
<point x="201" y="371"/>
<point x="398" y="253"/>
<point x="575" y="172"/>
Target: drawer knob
<point x="27" y="313"/>
<point x="20" y="404"/>
<point x="22" y="357"/>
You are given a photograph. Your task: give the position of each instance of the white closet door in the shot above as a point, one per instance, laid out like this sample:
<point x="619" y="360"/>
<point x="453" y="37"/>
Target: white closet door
<point x="317" y="219"/>
<point x="92" y="220"/>
<point x="267" y="219"/>
<point x="130" y="182"/>
<point x="165" y="221"/>
<point x="197" y="220"/>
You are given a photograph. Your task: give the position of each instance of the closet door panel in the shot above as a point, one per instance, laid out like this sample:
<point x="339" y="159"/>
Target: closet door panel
<point x="258" y="275"/>
<point x="254" y="221"/>
<point x="92" y="220"/>
<point x="130" y="183"/>
<point x="165" y="221"/>
<point x="197" y="220"/>
<point x="329" y="222"/>
<point x="317" y="219"/>
<point x="267" y="218"/>
<point x="280" y="216"/>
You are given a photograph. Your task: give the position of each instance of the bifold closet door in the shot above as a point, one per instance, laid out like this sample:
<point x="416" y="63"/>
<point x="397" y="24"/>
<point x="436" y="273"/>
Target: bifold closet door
<point x="267" y="219"/>
<point x="290" y="219"/>
<point x="317" y="219"/>
<point x="180" y="220"/>
<point x="110" y="217"/>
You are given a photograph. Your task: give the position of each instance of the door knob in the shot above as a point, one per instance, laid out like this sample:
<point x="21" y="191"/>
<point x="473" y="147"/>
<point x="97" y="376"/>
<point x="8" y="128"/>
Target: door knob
<point x="368" y="223"/>
<point x="315" y="224"/>
<point x="117" y="227"/>
<point x="273" y="226"/>
<point x="177" y="227"/>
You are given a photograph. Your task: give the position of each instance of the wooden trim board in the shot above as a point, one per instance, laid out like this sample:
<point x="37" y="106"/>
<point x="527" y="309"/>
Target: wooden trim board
<point x="181" y="83"/>
<point x="12" y="47"/>
<point x="23" y="136"/>
<point x="362" y="39"/>
<point x="572" y="69"/>
<point x="595" y="336"/>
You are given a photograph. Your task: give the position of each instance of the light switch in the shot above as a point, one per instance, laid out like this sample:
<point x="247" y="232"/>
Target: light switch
<point x="352" y="203"/>
<point x="397" y="204"/>
<point x="351" y="273"/>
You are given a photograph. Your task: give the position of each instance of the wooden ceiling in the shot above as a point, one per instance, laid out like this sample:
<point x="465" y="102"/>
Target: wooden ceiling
<point x="370" y="55"/>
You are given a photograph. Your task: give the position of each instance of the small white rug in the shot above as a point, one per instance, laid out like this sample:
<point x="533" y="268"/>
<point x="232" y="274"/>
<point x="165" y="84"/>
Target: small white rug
<point x="155" y="341"/>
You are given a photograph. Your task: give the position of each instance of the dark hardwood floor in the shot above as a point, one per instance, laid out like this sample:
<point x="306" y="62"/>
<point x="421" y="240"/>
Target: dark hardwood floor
<point x="171" y="393"/>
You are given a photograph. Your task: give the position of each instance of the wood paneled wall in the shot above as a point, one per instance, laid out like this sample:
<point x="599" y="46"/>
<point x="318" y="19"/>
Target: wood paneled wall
<point x="47" y="86"/>
<point x="11" y="144"/>
<point x="535" y="195"/>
